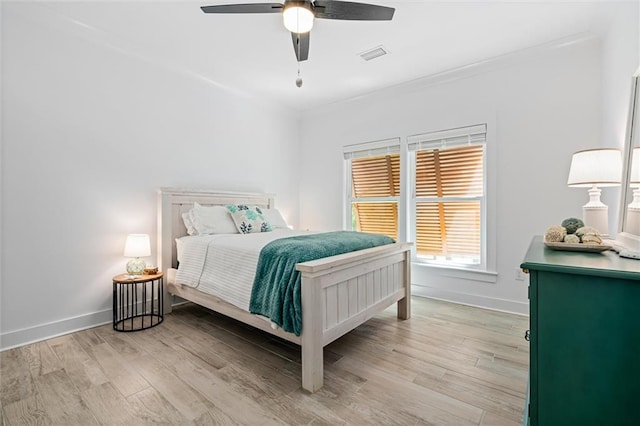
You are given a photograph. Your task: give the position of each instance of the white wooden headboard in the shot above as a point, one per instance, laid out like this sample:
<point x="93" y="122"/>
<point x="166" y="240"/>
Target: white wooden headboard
<point x="172" y="202"/>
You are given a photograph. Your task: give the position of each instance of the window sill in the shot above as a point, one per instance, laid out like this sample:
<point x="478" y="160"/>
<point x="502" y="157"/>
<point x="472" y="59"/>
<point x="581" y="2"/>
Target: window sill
<point x="453" y="272"/>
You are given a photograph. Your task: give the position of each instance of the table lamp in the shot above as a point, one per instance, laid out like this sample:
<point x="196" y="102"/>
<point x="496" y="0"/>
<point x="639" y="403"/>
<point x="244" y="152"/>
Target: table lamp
<point x="137" y="246"/>
<point x="594" y="168"/>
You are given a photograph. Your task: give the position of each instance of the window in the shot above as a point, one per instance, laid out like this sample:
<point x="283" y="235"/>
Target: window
<point x="373" y="186"/>
<point x="431" y="192"/>
<point x="448" y="196"/>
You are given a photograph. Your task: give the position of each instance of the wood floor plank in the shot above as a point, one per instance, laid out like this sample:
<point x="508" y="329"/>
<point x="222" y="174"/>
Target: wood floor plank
<point x="178" y="336"/>
<point x="507" y="383"/>
<point x="503" y="366"/>
<point x="403" y="366"/>
<point x="40" y="358"/>
<point x="109" y="406"/>
<point x="512" y="353"/>
<point x="62" y="401"/>
<point x="27" y="411"/>
<point x="229" y="398"/>
<point x="423" y="340"/>
<point x="232" y="326"/>
<point x="477" y="333"/>
<point x="87" y="339"/>
<point x="355" y="409"/>
<point x="425" y="404"/>
<point x="189" y="402"/>
<point x="152" y="408"/>
<point x="317" y="412"/>
<point x="227" y="401"/>
<point x="214" y="419"/>
<point x="78" y="365"/>
<point x="249" y="356"/>
<point x="119" y="370"/>
<point x="16" y="382"/>
<point x="120" y="342"/>
<point x="478" y="394"/>
<point x="493" y="419"/>
<point x="270" y="401"/>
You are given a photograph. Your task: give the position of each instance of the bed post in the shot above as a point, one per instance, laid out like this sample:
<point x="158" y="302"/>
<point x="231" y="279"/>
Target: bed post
<point x="311" y="337"/>
<point x="164" y="243"/>
<point x="404" y="305"/>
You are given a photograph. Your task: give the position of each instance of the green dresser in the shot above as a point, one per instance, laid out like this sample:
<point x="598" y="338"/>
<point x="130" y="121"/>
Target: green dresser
<point x="585" y="338"/>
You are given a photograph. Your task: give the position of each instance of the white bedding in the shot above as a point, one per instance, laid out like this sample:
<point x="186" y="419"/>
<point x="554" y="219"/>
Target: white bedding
<point x="224" y="265"/>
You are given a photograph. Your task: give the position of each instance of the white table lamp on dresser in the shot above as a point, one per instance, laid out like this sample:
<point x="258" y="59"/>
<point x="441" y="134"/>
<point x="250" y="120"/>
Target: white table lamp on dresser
<point x="595" y="168"/>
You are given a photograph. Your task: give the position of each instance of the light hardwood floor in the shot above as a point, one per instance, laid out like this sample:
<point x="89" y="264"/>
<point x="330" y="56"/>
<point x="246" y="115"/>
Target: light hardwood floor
<point x="448" y="365"/>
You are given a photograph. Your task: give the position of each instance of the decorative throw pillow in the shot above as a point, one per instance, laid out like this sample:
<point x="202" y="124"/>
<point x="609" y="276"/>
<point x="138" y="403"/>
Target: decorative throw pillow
<point x="248" y="219"/>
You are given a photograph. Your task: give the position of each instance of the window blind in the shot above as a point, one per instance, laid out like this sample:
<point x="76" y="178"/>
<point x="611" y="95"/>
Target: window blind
<point x="448" y="193"/>
<point x="453" y="172"/>
<point x="375" y="186"/>
<point x="377" y="176"/>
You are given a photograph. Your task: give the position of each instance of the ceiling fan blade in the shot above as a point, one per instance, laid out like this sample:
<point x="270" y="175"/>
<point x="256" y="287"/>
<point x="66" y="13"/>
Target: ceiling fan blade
<point x="301" y="45"/>
<point x="244" y="8"/>
<point x="329" y="9"/>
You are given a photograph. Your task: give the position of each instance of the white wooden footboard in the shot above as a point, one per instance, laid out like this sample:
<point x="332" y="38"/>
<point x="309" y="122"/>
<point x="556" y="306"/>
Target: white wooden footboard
<point x="341" y="292"/>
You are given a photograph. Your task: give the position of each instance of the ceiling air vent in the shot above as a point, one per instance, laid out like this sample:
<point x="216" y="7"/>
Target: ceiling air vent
<point x="376" y="52"/>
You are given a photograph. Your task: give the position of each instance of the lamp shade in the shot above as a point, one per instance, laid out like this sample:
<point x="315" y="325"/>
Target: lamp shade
<point x="634" y="176"/>
<point x="137" y="245"/>
<point x="298" y="19"/>
<point x="595" y="167"/>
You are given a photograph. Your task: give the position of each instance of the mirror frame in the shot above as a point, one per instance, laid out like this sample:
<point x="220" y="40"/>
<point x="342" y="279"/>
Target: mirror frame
<point x="626" y="243"/>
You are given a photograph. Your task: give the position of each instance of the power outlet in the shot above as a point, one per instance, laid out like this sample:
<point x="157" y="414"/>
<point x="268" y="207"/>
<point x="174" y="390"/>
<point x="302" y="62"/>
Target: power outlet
<point x="520" y="275"/>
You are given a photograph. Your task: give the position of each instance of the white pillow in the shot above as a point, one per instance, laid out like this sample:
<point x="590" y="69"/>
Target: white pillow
<point x="187" y="218"/>
<point x="212" y="220"/>
<point x="275" y="219"/>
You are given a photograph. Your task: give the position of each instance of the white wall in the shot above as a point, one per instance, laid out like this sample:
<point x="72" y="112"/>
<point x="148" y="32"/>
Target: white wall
<point x="89" y="132"/>
<point x="543" y="105"/>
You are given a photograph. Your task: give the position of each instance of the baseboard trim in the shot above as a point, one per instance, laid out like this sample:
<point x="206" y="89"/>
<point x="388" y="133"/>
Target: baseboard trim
<point x="25" y="336"/>
<point x="478" y="301"/>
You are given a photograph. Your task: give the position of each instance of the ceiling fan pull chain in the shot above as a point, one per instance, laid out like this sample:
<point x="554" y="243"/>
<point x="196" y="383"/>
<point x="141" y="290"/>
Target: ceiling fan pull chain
<point x="299" y="79"/>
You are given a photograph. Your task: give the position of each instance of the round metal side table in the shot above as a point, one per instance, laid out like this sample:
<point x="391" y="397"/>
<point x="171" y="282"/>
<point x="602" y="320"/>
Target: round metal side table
<point x="137" y="301"/>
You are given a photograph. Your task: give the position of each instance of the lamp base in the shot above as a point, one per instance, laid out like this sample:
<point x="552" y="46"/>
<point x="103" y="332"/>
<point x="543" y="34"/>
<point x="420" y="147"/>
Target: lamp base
<point x="595" y="213"/>
<point x="135" y="266"/>
<point x="598" y="218"/>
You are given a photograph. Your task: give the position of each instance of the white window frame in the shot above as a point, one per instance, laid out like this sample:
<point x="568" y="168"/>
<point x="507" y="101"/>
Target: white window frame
<point x="476" y="135"/>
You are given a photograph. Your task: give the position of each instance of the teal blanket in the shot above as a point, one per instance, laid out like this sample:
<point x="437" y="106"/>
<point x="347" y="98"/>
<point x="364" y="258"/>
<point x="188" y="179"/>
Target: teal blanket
<point x="276" y="288"/>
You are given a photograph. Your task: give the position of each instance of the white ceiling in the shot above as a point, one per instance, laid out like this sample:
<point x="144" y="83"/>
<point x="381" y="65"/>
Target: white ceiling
<point x="254" y="53"/>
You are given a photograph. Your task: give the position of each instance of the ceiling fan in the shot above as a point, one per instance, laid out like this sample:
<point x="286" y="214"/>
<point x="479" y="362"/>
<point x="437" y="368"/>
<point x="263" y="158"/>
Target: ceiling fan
<point x="298" y="16"/>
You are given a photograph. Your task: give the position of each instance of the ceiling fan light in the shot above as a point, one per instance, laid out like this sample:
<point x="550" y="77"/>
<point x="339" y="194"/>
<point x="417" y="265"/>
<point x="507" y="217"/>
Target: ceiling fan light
<point x="298" y="19"/>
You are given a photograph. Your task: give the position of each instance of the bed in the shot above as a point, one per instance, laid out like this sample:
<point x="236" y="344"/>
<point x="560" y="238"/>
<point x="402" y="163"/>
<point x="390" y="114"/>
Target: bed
<point x="338" y="293"/>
